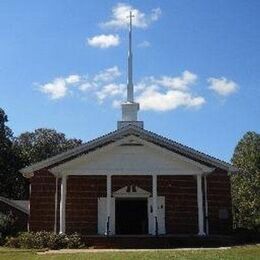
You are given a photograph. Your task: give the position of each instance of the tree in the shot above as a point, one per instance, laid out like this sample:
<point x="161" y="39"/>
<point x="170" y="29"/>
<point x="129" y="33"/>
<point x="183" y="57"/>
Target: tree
<point x="11" y="182"/>
<point x="246" y="183"/>
<point x="28" y="148"/>
<point x="43" y="143"/>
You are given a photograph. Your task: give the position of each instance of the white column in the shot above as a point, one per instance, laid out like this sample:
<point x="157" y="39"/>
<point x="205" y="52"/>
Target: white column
<point x="200" y="207"/>
<point x="108" y="220"/>
<point x="63" y="191"/>
<point x="155" y="203"/>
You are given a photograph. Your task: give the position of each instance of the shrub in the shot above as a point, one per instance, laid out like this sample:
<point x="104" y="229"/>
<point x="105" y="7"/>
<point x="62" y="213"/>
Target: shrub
<point x="7" y="226"/>
<point x="74" y="241"/>
<point x="13" y="242"/>
<point x="42" y="240"/>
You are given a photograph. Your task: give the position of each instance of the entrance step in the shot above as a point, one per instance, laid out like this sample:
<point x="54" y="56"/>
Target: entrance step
<point x="139" y="242"/>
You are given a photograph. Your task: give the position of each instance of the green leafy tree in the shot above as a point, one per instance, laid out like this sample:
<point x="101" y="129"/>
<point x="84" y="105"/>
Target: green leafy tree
<point x="28" y="148"/>
<point x="43" y="143"/>
<point x="11" y="182"/>
<point x="246" y="183"/>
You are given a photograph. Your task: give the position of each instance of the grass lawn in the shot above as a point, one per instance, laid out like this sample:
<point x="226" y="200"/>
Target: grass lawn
<point x="245" y="252"/>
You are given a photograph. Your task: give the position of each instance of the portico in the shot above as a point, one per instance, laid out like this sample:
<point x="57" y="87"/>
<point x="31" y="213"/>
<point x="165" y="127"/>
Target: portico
<point x="139" y="158"/>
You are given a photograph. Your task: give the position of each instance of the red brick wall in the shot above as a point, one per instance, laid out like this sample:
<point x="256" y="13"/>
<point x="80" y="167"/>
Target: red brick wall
<point x="81" y="206"/>
<point x="82" y="192"/>
<point x="219" y="199"/>
<point x="42" y="201"/>
<point x="180" y="203"/>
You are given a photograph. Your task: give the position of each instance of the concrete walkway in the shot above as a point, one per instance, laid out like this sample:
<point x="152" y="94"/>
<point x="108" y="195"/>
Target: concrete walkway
<point x="90" y="250"/>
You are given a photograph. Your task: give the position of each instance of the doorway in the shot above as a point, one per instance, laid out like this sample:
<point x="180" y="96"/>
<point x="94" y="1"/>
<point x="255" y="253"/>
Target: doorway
<point x="131" y="216"/>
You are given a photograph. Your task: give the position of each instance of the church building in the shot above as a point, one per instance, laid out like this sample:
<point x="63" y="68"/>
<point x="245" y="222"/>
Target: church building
<point x="130" y="182"/>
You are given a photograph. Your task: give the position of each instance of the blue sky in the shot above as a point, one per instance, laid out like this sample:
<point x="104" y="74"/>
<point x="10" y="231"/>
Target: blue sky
<point x="196" y="68"/>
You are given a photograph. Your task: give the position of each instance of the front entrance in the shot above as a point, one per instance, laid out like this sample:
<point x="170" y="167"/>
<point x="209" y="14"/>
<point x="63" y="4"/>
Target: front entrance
<point x="131" y="213"/>
<point x="131" y="216"/>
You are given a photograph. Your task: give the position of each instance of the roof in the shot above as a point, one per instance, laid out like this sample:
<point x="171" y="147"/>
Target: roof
<point x="21" y="205"/>
<point x="119" y="134"/>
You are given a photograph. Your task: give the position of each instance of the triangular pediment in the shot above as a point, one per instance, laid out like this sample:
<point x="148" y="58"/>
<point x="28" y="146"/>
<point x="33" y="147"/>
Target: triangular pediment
<point x="129" y="130"/>
<point x="131" y="155"/>
<point x="131" y="191"/>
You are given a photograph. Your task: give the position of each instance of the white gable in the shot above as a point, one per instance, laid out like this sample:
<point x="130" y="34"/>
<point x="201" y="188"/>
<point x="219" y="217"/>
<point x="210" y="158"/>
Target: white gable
<point x="131" y="156"/>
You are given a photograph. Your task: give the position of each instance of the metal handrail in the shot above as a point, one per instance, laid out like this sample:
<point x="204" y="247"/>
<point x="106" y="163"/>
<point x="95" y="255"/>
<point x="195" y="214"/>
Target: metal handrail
<point x="107" y="226"/>
<point x="156" y="226"/>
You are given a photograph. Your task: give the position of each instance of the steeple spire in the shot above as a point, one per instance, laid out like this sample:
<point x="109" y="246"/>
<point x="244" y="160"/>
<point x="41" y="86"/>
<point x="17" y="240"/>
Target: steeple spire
<point x="130" y="86"/>
<point x="130" y="108"/>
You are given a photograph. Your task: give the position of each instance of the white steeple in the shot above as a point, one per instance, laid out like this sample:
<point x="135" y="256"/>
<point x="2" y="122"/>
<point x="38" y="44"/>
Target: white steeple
<point x="130" y="86"/>
<point x="130" y="108"/>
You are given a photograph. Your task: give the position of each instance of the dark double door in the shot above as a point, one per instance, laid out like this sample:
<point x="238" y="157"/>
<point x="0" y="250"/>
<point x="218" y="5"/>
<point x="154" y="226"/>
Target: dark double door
<point x="131" y="216"/>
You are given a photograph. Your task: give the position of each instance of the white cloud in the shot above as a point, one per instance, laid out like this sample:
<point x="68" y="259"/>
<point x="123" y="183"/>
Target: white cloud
<point x="104" y="41"/>
<point x="144" y="44"/>
<point x="97" y="85"/>
<point x="107" y="75"/>
<point x="182" y="83"/>
<point x="58" y="88"/>
<point x="141" y="20"/>
<point x="72" y="79"/>
<point x="110" y="90"/>
<point x="168" y="93"/>
<point x="222" y="86"/>
<point x="155" y="14"/>
<point x="157" y="100"/>
<point x="158" y="94"/>
<point x="86" y="86"/>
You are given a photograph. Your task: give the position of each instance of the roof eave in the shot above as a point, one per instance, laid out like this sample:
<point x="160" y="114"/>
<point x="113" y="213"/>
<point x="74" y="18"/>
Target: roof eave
<point x="13" y="204"/>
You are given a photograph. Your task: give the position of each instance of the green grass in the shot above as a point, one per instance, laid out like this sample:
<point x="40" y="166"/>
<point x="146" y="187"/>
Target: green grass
<point x="245" y="252"/>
